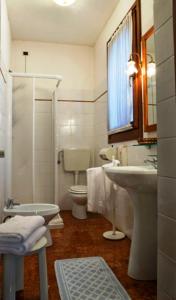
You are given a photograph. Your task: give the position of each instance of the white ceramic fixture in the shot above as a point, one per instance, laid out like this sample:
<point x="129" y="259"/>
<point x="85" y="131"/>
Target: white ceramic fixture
<point x="76" y="160"/>
<point x="141" y="184"/>
<point x="48" y="211"/>
<point x="113" y="234"/>
<point x="64" y="2"/>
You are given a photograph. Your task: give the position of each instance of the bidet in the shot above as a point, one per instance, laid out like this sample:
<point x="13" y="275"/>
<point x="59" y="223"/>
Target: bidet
<point x="48" y="211"/>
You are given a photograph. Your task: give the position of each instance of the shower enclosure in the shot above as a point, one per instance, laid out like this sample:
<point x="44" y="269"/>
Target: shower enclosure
<point x="34" y="151"/>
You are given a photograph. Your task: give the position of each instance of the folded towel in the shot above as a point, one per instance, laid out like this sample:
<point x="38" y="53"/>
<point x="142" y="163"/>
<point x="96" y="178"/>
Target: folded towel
<point x="19" y="228"/>
<point x="98" y="189"/>
<point x="21" y="248"/>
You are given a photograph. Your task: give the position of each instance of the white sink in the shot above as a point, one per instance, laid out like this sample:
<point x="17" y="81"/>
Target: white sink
<point x="48" y="211"/>
<point x="141" y="184"/>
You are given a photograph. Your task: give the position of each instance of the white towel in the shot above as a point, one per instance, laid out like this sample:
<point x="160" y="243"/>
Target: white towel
<point x="98" y="189"/>
<point x="22" y="248"/>
<point x="19" y="228"/>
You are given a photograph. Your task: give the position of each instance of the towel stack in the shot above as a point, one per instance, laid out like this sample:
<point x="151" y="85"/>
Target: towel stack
<point x="19" y="234"/>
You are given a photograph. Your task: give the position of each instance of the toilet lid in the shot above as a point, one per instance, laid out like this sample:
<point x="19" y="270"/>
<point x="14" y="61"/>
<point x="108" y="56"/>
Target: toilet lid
<point x="81" y="189"/>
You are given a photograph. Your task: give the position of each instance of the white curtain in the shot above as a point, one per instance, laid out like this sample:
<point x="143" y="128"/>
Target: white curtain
<point x="120" y="94"/>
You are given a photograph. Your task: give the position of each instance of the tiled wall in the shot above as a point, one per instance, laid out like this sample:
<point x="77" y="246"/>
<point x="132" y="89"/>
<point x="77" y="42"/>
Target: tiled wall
<point x="74" y="119"/>
<point x="101" y="138"/>
<point x="132" y="155"/>
<point x="166" y="99"/>
<point x="135" y="154"/>
<point x="75" y="128"/>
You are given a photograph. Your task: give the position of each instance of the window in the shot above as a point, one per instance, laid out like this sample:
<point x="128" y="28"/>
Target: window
<point x="120" y="92"/>
<point x="124" y="98"/>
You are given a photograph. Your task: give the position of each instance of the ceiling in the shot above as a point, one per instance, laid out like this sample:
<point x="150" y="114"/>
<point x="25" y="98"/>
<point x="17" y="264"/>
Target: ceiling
<point x="45" y="21"/>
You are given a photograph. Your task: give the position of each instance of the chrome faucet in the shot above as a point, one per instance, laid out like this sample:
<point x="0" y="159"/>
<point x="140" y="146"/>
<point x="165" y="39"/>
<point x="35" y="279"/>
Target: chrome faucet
<point x="10" y="203"/>
<point x="152" y="162"/>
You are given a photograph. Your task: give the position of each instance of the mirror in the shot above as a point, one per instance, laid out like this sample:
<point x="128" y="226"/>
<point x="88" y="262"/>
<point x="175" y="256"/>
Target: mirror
<point x="149" y="81"/>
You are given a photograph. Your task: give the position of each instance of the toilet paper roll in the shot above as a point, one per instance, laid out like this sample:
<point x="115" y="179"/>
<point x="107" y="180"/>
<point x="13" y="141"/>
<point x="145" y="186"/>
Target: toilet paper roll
<point x="107" y="153"/>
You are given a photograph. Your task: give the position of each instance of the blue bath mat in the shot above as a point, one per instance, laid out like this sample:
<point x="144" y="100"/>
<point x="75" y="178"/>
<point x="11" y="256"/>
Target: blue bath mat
<point x="88" y="279"/>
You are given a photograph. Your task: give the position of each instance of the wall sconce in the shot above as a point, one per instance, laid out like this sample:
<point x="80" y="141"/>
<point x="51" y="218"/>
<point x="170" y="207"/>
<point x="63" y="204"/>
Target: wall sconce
<point x="151" y="67"/>
<point x="132" y="68"/>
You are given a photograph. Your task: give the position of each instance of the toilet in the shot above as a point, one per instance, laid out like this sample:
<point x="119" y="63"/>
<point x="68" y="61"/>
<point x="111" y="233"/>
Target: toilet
<point x="76" y="161"/>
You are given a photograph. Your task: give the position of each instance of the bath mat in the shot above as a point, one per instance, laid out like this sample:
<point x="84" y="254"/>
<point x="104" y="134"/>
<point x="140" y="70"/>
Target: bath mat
<point x="88" y="279"/>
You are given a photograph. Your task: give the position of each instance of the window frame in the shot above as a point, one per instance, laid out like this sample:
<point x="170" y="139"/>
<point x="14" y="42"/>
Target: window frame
<point x="136" y="131"/>
<point x="147" y="127"/>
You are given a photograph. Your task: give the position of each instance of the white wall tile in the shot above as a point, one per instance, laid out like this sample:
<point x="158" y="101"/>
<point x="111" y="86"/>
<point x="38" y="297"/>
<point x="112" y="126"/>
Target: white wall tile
<point x="137" y="154"/>
<point x="166" y="157"/>
<point x="167" y="236"/>
<point x="166" y="276"/>
<point x="65" y="131"/>
<point x="166" y="79"/>
<point x="162" y="15"/>
<point x="88" y="108"/>
<point x="164" y="42"/>
<point x="166" y="149"/>
<point x="166" y="196"/>
<point x="88" y="119"/>
<point x="89" y="131"/>
<point x="64" y="119"/>
<point x="64" y="142"/>
<point x="75" y="128"/>
<point x="166" y="118"/>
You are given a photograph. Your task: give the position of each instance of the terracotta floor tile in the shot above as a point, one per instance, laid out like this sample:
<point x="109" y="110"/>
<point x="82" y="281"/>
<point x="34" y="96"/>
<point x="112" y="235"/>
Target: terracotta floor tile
<point x="83" y="238"/>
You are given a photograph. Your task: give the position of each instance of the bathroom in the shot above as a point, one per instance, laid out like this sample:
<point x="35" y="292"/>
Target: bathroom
<point x="64" y="50"/>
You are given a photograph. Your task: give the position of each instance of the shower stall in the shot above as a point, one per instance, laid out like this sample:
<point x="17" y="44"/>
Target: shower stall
<point x="34" y="150"/>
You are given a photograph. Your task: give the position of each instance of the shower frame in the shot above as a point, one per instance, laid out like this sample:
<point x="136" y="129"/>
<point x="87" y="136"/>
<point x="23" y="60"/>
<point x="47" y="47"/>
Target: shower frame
<point x="54" y="101"/>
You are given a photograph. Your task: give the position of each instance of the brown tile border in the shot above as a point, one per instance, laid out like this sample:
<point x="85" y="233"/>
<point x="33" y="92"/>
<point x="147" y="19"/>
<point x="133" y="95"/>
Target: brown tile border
<point x="100" y="96"/>
<point x="82" y="101"/>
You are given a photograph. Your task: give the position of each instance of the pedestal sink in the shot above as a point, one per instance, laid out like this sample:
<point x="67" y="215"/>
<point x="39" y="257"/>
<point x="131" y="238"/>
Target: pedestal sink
<point x="141" y="184"/>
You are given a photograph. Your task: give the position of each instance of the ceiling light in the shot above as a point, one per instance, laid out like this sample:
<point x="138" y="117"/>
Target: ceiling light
<point x="64" y="2"/>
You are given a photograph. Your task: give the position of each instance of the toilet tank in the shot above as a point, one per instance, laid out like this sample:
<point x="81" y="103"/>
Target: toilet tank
<point x="76" y="159"/>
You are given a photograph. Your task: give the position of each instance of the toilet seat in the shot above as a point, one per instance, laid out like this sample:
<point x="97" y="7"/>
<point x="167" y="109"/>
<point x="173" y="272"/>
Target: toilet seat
<point x="78" y="189"/>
